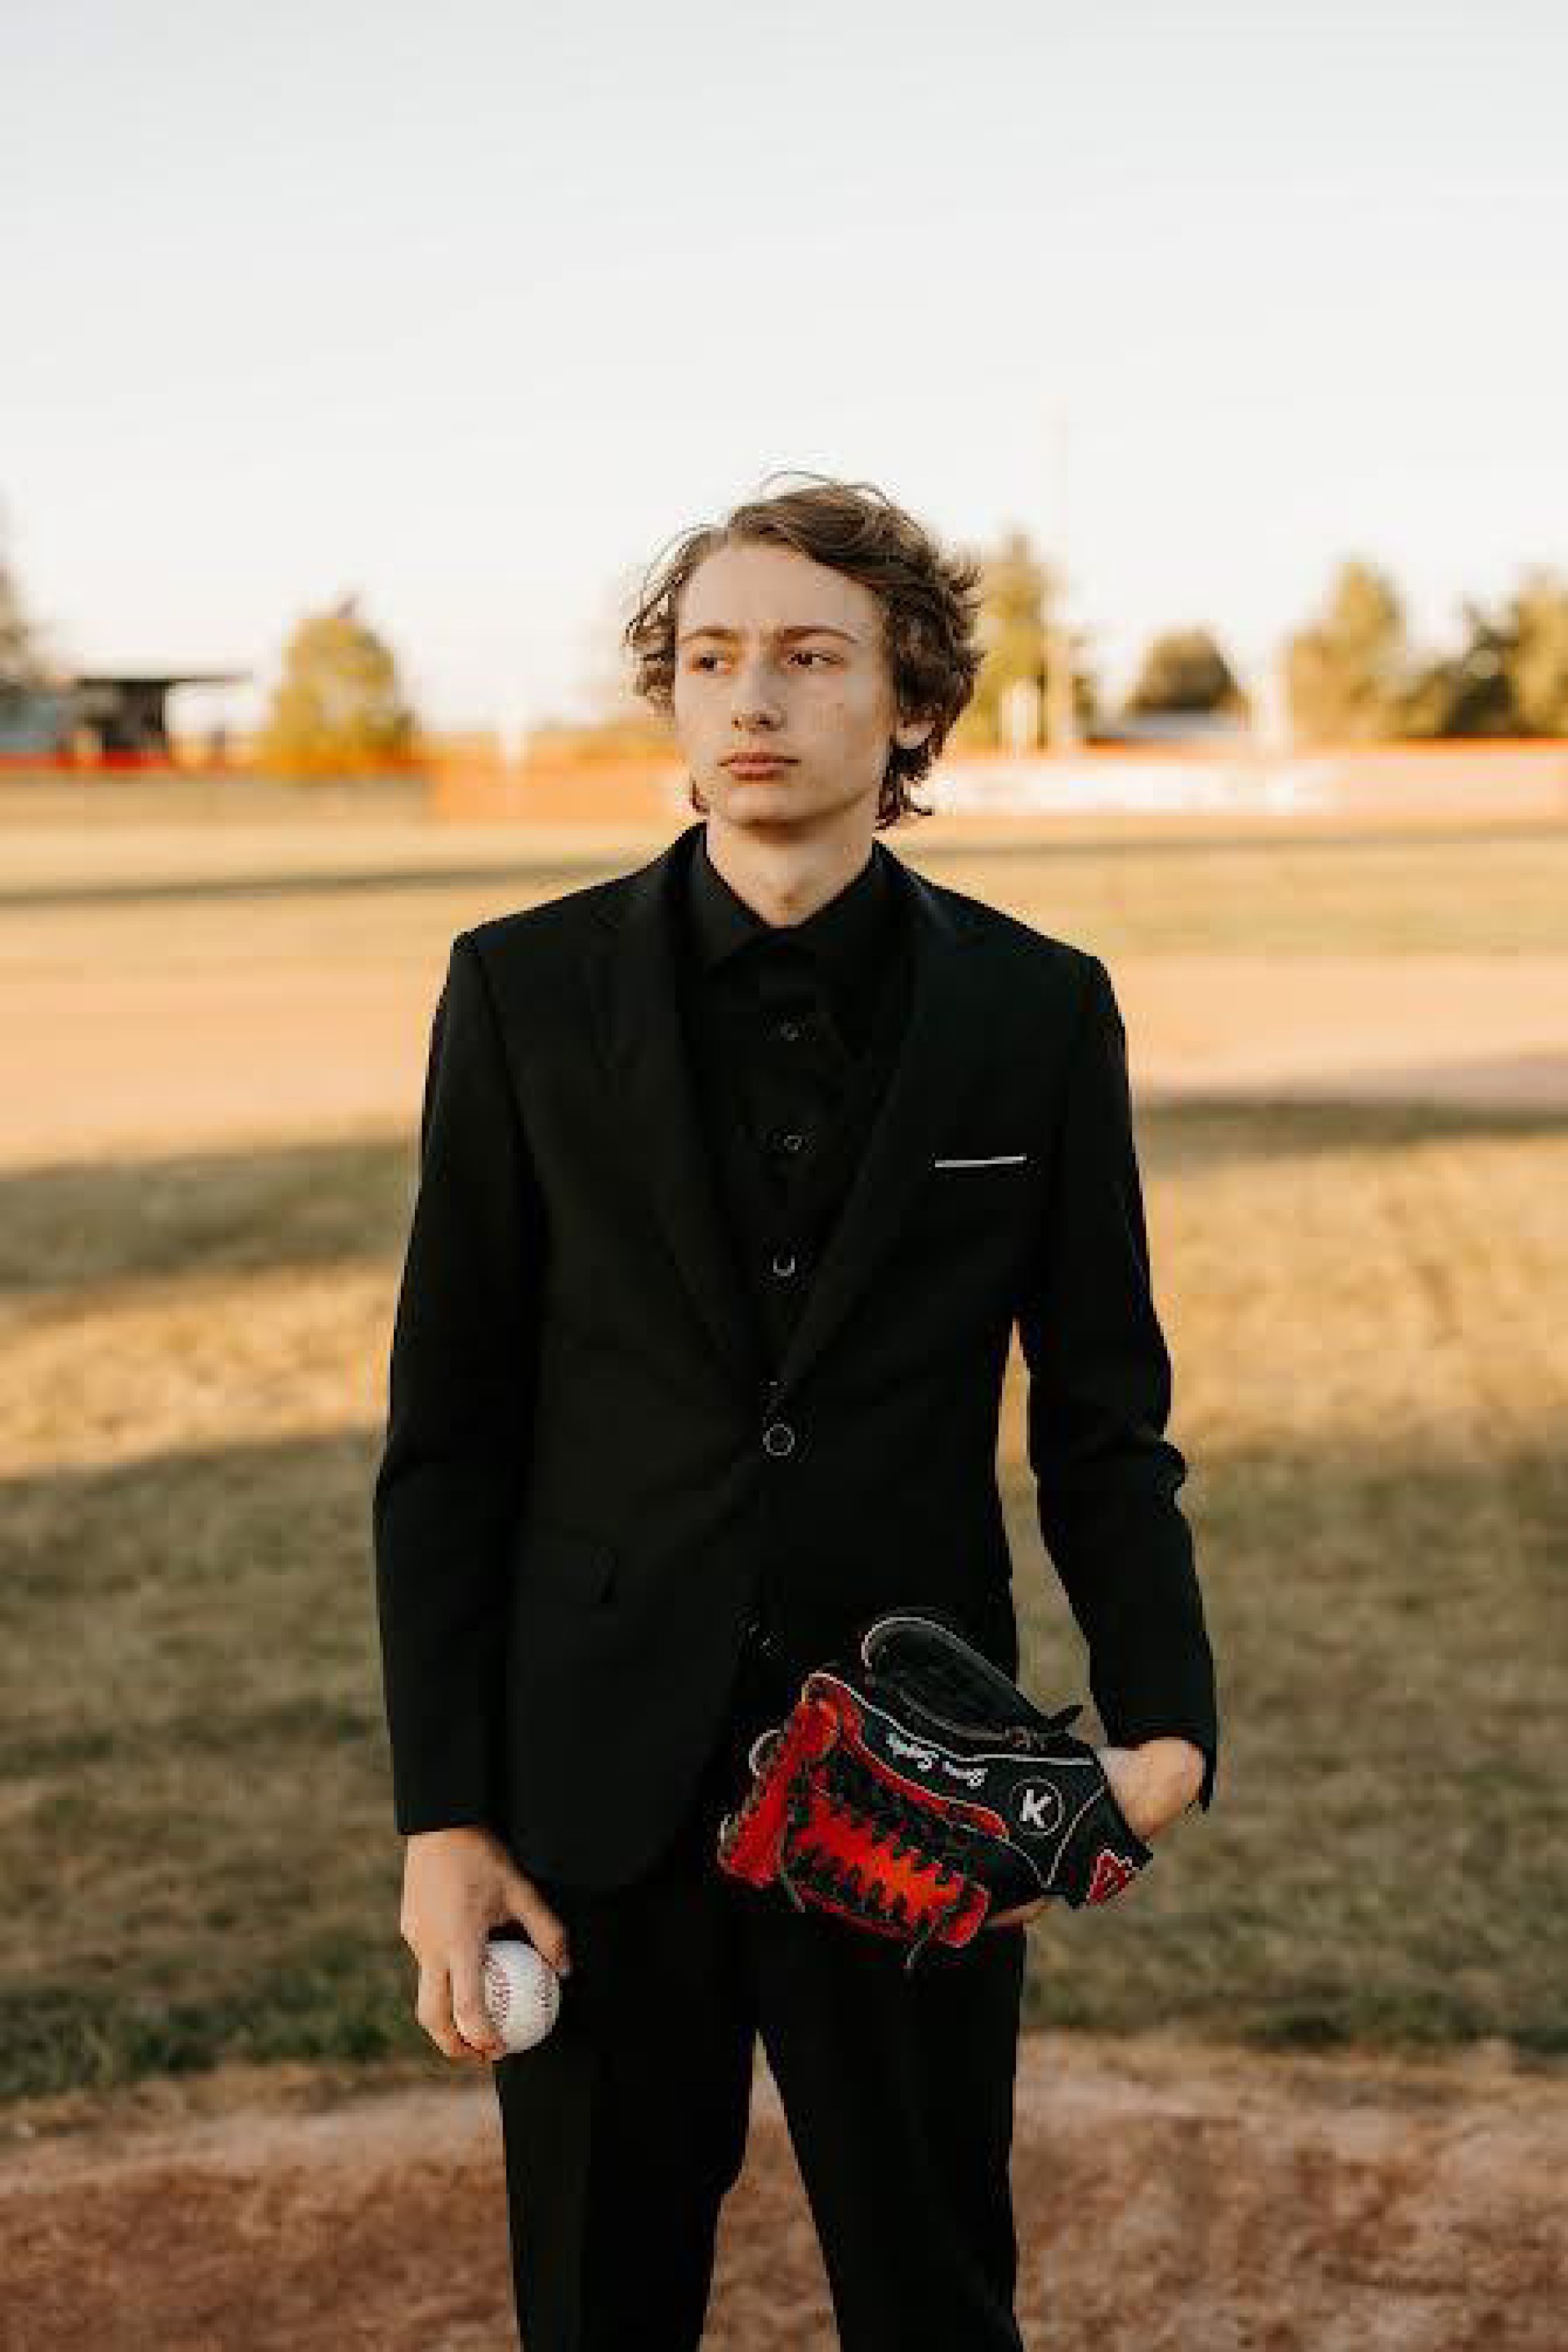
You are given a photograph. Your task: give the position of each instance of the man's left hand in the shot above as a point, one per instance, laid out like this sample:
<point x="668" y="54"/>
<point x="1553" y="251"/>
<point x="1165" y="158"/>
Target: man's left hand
<point x="1154" y="1783"/>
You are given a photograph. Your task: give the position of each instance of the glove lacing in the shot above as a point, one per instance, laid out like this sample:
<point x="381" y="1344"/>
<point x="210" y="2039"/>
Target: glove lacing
<point x="887" y="1817"/>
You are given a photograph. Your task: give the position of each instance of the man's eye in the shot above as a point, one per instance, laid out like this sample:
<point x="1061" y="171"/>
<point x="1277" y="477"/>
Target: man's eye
<point x="701" y="661"/>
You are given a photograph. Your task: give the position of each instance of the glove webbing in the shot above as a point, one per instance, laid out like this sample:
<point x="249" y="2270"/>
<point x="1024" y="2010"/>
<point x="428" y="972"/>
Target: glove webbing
<point x="846" y="1787"/>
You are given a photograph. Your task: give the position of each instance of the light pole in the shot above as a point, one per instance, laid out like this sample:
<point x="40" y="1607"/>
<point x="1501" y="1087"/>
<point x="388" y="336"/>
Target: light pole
<point x="1061" y="714"/>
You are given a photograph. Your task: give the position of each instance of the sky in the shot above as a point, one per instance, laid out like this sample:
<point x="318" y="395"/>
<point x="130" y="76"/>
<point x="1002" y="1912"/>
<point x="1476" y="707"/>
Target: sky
<point x="470" y="309"/>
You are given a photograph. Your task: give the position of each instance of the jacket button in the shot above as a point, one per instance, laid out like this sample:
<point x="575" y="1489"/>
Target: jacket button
<point x="779" y="1437"/>
<point x="784" y="1264"/>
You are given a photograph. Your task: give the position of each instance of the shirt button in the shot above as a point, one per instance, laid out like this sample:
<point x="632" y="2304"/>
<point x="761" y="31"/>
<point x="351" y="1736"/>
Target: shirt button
<point x="788" y="1030"/>
<point x="783" y="1266"/>
<point x="791" y="1142"/>
<point x="778" y="1437"/>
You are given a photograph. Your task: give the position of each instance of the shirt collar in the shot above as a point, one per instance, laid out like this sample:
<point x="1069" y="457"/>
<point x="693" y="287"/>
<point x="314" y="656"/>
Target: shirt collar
<point x="846" y="936"/>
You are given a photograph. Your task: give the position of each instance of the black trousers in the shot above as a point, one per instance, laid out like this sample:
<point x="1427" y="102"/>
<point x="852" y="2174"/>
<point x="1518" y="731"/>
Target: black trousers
<point x="624" y="2127"/>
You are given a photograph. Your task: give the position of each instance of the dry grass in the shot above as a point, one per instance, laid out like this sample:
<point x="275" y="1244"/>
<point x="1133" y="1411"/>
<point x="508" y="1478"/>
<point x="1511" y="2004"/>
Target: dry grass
<point x="1372" y="1388"/>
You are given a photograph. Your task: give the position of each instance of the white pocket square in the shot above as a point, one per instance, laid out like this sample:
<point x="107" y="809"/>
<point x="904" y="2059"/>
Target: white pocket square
<point x="987" y="1160"/>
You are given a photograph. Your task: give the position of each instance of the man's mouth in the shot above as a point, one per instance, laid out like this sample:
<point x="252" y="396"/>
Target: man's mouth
<point x="761" y="764"/>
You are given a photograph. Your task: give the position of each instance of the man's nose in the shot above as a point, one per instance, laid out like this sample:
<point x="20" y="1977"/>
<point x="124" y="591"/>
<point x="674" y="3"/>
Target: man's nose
<point x="755" y="700"/>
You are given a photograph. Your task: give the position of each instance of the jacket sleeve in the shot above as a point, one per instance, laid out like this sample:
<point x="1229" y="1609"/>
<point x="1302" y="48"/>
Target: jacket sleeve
<point x="1099" y="1399"/>
<point x="448" y="1487"/>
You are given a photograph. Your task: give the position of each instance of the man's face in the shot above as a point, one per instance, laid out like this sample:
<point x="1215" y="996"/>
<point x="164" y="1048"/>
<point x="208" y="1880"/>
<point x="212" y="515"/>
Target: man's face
<point x="780" y="655"/>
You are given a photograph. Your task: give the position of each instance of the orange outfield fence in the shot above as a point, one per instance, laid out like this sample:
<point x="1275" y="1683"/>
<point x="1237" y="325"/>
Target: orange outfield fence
<point x="466" y="779"/>
<point x="1505" y="781"/>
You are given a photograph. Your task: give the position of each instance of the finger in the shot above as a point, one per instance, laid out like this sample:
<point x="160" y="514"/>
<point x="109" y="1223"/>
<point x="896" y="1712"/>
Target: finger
<point x="470" y="2013"/>
<point x="1011" y="1918"/>
<point x="433" y="2010"/>
<point x="546" y="1933"/>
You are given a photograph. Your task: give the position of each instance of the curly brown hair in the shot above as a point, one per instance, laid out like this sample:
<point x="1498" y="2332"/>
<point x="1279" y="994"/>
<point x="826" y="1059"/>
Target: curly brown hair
<point x="929" y="601"/>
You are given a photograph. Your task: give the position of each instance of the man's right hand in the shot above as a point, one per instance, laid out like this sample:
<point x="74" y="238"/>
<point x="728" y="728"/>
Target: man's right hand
<point x="456" y="1885"/>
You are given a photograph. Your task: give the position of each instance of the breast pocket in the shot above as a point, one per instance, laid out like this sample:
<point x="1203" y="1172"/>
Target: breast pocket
<point x="970" y="1197"/>
<point x="957" y="1161"/>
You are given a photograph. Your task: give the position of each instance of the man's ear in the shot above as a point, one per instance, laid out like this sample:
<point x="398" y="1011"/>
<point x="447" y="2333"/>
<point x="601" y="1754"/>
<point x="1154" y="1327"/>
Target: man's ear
<point x="909" y="733"/>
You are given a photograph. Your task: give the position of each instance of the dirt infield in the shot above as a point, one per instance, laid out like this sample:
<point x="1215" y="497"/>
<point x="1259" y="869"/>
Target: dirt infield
<point x="304" y="1036"/>
<point x="177" y="986"/>
<point x="1170" y="2197"/>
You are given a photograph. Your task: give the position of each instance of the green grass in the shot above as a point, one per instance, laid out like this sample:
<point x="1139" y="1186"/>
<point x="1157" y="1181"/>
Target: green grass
<point x="1366" y="1315"/>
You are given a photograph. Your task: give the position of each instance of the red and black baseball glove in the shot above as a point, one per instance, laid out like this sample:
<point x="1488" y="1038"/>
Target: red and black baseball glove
<point x="918" y="1790"/>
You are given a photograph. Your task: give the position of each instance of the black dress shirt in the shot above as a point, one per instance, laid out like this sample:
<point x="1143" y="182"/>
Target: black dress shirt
<point x="793" y="1029"/>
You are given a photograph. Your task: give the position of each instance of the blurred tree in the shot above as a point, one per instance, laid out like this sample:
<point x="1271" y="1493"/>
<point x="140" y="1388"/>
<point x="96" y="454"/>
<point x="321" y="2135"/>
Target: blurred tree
<point x="1511" y="677"/>
<point x="1346" y="674"/>
<point x="1018" y="620"/>
<point x="1536" y="654"/>
<point x="336" y="709"/>
<point x="1467" y="693"/>
<point x="21" y="662"/>
<point x="1185" y="669"/>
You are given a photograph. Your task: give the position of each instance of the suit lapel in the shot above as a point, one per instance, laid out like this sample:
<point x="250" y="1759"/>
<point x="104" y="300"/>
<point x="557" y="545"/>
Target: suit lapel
<point x="640" y="1035"/>
<point x="641" y="1039"/>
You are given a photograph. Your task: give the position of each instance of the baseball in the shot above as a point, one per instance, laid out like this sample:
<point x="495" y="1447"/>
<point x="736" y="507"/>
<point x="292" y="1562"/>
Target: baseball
<point x="522" y="1993"/>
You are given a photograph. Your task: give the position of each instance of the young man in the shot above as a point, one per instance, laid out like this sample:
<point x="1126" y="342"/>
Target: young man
<point x="737" y="1172"/>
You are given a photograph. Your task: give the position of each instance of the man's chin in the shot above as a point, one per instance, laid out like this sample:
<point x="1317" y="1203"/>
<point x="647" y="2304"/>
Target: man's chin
<point x="788" y="797"/>
<point x="760" y="800"/>
<point x="785" y="782"/>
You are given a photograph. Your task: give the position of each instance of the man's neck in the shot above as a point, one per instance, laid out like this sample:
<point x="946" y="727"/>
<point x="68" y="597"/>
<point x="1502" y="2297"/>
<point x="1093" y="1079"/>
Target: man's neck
<point x="786" y="879"/>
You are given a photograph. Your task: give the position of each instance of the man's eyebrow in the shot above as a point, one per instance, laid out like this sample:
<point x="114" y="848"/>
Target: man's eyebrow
<point x="797" y="629"/>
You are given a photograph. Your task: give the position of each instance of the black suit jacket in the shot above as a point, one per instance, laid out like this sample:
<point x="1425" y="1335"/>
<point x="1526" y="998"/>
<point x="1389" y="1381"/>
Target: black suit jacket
<point x="591" y="1484"/>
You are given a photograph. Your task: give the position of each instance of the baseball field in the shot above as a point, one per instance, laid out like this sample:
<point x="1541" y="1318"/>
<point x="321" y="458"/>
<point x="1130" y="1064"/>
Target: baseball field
<point x="1309" y="2080"/>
